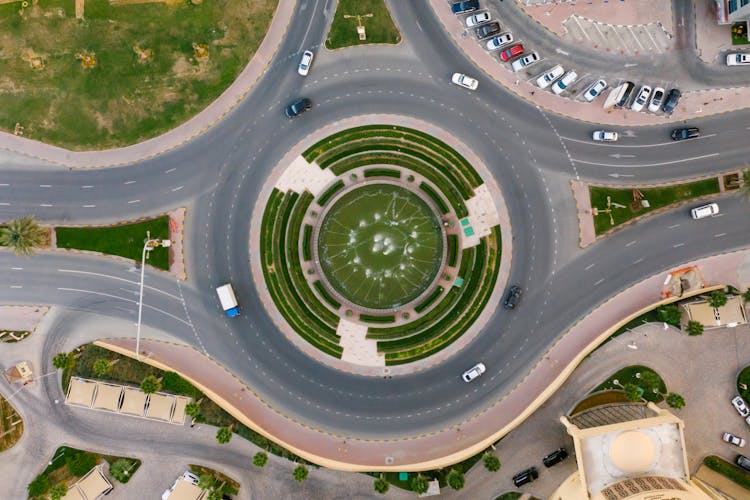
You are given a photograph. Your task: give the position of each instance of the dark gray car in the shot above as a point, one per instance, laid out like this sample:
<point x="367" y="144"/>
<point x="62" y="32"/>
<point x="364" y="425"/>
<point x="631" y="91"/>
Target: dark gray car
<point x="298" y="107"/>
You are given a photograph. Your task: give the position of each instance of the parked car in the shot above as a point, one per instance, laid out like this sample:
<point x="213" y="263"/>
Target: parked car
<point x="743" y="462"/>
<point x="605" y="136"/>
<point x="700" y="213"/>
<point x="464" y="81"/>
<point x="512" y="296"/>
<point x="732" y="439"/>
<point x="625" y="97"/>
<point x="464" y="6"/>
<point x="680" y="134"/>
<point x="555" y="457"/>
<point x="594" y="90"/>
<point x="550" y="76"/>
<point x="525" y="61"/>
<point x="737" y="59"/>
<point x="641" y="99"/>
<point x="473" y="372"/>
<point x="657" y="96"/>
<point x="487" y="30"/>
<point x="477" y="19"/>
<point x="498" y="41"/>
<point x="298" y="107"/>
<point x="304" y="64"/>
<point x="563" y="83"/>
<point x="525" y="476"/>
<point x="511" y="52"/>
<point x="673" y="97"/>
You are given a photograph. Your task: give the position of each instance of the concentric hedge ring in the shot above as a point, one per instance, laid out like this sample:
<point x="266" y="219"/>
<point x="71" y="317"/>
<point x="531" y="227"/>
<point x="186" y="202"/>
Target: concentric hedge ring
<point x="382" y="155"/>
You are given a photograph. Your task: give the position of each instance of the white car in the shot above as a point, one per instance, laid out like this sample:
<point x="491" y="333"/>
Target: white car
<point x="737" y="59"/>
<point x="186" y="476"/>
<point x="550" y="76"/>
<point x="641" y="99"/>
<point x="732" y="439"/>
<point x="700" y="213"/>
<point x="594" y="90"/>
<point x="478" y="19"/>
<point x="737" y="401"/>
<point x="498" y="41"/>
<point x="304" y="64"/>
<point x="657" y="96"/>
<point x="564" y="82"/>
<point x="464" y="81"/>
<point x="605" y="136"/>
<point x="524" y="61"/>
<point x="473" y="372"/>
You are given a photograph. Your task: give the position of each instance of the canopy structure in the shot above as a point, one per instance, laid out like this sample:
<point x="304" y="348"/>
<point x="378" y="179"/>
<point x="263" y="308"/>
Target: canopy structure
<point x="80" y="392"/>
<point x="107" y="397"/>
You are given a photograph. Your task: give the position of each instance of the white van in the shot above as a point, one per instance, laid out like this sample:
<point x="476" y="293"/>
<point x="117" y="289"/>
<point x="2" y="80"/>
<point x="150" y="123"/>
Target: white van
<point x="705" y="211"/>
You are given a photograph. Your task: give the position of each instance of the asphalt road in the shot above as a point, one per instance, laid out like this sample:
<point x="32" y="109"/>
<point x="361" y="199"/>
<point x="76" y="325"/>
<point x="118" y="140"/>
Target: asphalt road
<point x="218" y="176"/>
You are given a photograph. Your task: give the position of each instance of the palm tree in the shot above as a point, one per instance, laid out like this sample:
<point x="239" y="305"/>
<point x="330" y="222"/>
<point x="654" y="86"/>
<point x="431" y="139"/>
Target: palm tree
<point x="650" y="380"/>
<point x="22" y="235"/>
<point x="193" y="409"/>
<point x="150" y="385"/>
<point x="300" y="473"/>
<point x="102" y="367"/>
<point x="419" y="484"/>
<point x="215" y="494"/>
<point x="694" y="328"/>
<point x="224" y="435"/>
<point x="455" y="479"/>
<point x="669" y="314"/>
<point x="260" y="459"/>
<point x="491" y="462"/>
<point x="675" y="401"/>
<point x="61" y="360"/>
<point x="718" y="298"/>
<point x="205" y="481"/>
<point x="381" y="485"/>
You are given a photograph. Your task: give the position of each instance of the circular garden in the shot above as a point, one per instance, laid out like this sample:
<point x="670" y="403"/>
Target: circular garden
<point x="388" y="243"/>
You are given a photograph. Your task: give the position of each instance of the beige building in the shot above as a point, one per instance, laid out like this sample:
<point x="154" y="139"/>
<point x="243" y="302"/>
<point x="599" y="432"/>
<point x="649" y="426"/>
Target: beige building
<point x="629" y="450"/>
<point x="729" y="315"/>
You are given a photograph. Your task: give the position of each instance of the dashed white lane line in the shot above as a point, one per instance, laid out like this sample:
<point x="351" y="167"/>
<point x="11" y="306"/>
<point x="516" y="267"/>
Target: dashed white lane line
<point x="630" y="243"/>
<point x="674" y="226"/>
<point x="4" y="184"/>
<point x="129" y="182"/>
<point x="45" y="185"/>
<point x="17" y="268"/>
<point x="170" y="170"/>
<point x="589" y="267"/>
<point x="720" y="235"/>
<point x="638" y="261"/>
<point x="45" y="205"/>
<point x="16" y="286"/>
<point x="177" y="188"/>
<point x="678" y="245"/>
<point x="134" y="201"/>
<point x="5" y="204"/>
<point x="89" y="206"/>
<point x="599" y="282"/>
<point x="86" y="187"/>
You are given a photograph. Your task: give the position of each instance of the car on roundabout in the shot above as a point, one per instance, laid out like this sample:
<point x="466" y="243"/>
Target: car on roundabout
<point x="474" y="372"/>
<point x="304" y="64"/>
<point x="605" y="136"/>
<point x="512" y="297"/>
<point x="681" y="134"/>
<point x="464" y="81"/>
<point x="298" y="107"/>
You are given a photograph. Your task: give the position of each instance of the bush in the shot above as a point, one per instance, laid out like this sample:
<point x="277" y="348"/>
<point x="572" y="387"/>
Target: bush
<point x="632" y="392"/>
<point x="455" y="479"/>
<point x="102" y="367"/>
<point x="172" y="382"/>
<point x="80" y="463"/>
<point x="718" y="298"/>
<point x="669" y="314"/>
<point x="300" y="473"/>
<point x="260" y="459"/>
<point x="381" y="486"/>
<point x="419" y="484"/>
<point x="694" y="328"/>
<point x="491" y="462"/>
<point x="744" y="380"/>
<point x="58" y="491"/>
<point x="150" y="385"/>
<point x="728" y="470"/>
<point x="122" y="469"/>
<point x="224" y="435"/>
<point x="675" y="401"/>
<point x="39" y="486"/>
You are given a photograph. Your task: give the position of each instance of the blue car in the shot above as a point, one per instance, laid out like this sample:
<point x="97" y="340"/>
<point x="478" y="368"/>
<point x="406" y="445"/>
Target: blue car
<point x="465" y="6"/>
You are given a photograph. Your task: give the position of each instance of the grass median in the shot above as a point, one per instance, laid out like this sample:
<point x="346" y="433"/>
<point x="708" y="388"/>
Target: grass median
<point x="374" y="16"/>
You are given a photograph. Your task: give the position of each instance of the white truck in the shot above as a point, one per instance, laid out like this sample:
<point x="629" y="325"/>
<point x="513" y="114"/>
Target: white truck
<point x="228" y="300"/>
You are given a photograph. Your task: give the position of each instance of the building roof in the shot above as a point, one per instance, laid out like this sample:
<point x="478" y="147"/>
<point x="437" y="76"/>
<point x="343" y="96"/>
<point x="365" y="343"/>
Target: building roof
<point x="178" y="416"/>
<point x="160" y="407"/>
<point x="80" y="392"/>
<point x="94" y="484"/>
<point x="731" y="314"/>
<point x="133" y="402"/>
<point x="107" y="396"/>
<point x="185" y="490"/>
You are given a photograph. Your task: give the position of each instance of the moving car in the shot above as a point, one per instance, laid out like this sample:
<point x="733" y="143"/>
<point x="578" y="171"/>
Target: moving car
<point x="478" y="19"/>
<point x="298" y="107"/>
<point x="641" y="99"/>
<point x="304" y="64"/>
<point x="498" y="41"/>
<point x="564" y="82"/>
<point x="671" y="101"/>
<point x="512" y="296"/>
<point x="525" y="61"/>
<point x="464" y="81"/>
<point x="627" y="90"/>
<point x="486" y="30"/>
<point x="525" y="476"/>
<point x="511" y="52"/>
<point x="737" y="59"/>
<point x="680" y="134"/>
<point x="743" y="462"/>
<point x="473" y="372"/>
<point x="732" y="439"/>
<point x="605" y="136"/>
<point x="594" y="90"/>
<point x="550" y="76"/>
<point x="465" y="6"/>
<point x="555" y="457"/>
<point x="700" y="213"/>
<point x="657" y="96"/>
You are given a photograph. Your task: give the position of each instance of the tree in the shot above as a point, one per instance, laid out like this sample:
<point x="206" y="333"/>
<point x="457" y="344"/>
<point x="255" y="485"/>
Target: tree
<point x="224" y="435"/>
<point x="150" y="385"/>
<point x="205" y="481"/>
<point x="22" y="235"/>
<point x="80" y="463"/>
<point x="694" y="328"/>
<point x="193" y="409"/>
<point x="491" y="462"/>
<point x="632" y="392"/>
<point x="215" y="494"/>
<point x="381" y="485"/>
<point x="61" y="360"/>
<point x="419" y="484"/>
<point x="717" y="298"/>
<point x="650" y="380"/>
<point x="300" y="473"/>
<point x="670" y="314"/>
<point x="746" y="295"/>
<point x="675" y="401"/>
<point x="39" y="486"/>
<point x="120" y="469"/>
<point x="102" y="367"/>
<point x="58" y="491"/>
<point x="455" y="479"/>
<point x="746" y="183"/>
<point x="260" y="459"/>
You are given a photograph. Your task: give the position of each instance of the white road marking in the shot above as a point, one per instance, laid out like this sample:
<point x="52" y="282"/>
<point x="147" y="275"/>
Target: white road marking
<point x="16" y="286"/>
<point x="720" y="235"/>
<point x="589" y="267"/>
<point x="17" y="268"/>
<point x="177" y="188"/>
<point x="647" y="164"/>
<point x="599" y="282"/>
<point x="45" y="185"/>
<point x="170" y="170"/>
<point x="45" y="205"/>
<point x="637" y="261"/>
<point x="4" y="185"/>
<point x="134" y="201"/>
<point x="89" y="206"/>
<point x="86" y="187"/>
<point x="126" y="300"/>
<point x="674" y="226"/>
<point x="631" y="243"/>
<point x="610" y="145"/>
<point x="5" y="204"/>
<point x="129" y="182"/>
<point x="678" y="245"/>
<point x="76" y="271"/>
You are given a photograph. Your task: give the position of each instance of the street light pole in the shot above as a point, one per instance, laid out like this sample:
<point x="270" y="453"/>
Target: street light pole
<point x="629" y="346"/>
<point x="147" y="246"/>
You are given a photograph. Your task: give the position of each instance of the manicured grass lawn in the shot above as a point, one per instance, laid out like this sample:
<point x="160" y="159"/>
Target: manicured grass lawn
<point x="739" y="34"/>
<point x="744" y="378"/>
<point x="379" y="28"/>
<point x="657" y="197"/>
<point x="9" y="433"/>
<point x="120" y="101"/>
<point x="728" y="470"/>
<point x="598" y="399"/>
<point x="628" y="376"/>
<point x="125" y="240"/>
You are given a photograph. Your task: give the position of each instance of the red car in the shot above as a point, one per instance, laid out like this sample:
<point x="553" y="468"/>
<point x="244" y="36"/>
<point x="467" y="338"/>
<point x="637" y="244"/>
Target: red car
<point x="511" y="52"/>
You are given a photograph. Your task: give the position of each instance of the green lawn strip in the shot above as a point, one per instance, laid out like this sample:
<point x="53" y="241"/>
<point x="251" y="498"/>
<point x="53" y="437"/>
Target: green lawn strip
<point x="371" y="318"/>
<point x="323" y="198"/>
<point x="307" y="243"/>
<point x="628" y="376"/>
<point x="744" y="378"/>
<point x="11" y="425"/>
<point x="379" y="26"/>
<point x="326" y="296"/>
<point x="442" y="205"/>
<point x="429" y="300"/>
<point x="658" y="197"/>
<point x="383" y="172"/>
<point x="269" y="219"/>
<point x="125" y="240"/>
<point x="728" y="470"/>
<point x="58" y="469"/>
<point x="600" y="398"/>
<point x="452" y="240"/>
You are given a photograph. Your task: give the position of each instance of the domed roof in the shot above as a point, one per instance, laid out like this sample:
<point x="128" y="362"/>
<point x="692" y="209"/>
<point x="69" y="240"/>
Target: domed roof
<point x="632" y="451"/>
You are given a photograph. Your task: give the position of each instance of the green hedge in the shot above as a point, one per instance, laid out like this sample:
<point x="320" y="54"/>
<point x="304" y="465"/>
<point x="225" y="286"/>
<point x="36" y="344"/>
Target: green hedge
<point x="429" y="300"/>
<point x="326" y="295"/>
<point x="369" y="318"/>
<point x="307" y="243"/>
<point x="452" y="240"/>
<point x="728" y="470"/>
<point x="383" y="172"/>
<point x="442" y="206"/>
<point x="268" y="224"/>
<point x="323" y="199"/>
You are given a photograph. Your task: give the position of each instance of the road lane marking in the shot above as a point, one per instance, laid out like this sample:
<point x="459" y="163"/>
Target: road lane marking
<point x="646" y="164"/>
<point x="17" y="268"/>
<point x="177" y="188"/>
<point x="599" y="282"/>
<point x="119" y="279"/>
<point x="637" y="261"/>
<point x="170" y="170"/>
<point x="674" y="226"/>
<point x="5" y="204"/>
<point x="45" y="185"/>
<point x="16" y="286"/>
<point x="720" y="235"/>
<point x="678" y="245"/>
<point x="589" y="267"/>
<point x="129" y="182"/>
<point x="631" y="243"/>
<point x="4" y="185"/>
<point x="86" y="187"/>
<point x="134" y="201"/>
<point x="63" y="289"/>
<point x="89" y="206"/>
<point x="609" y="145"/>
<point x="45" y="205"/>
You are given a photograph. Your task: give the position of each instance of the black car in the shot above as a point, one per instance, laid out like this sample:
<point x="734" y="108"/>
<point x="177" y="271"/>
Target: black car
<point x="512" y="296"/>
<point x="487" y="30"/>
<point x="680" y="134"/>
<point x="465" y="6"/>
<point x="629" y="86"/>
<point x="555" y="457"/>
<point x="673" y="97"/>
<point x="743" y="462"/>
<point x="298" y="107"/>
<point x="525" y="476"/>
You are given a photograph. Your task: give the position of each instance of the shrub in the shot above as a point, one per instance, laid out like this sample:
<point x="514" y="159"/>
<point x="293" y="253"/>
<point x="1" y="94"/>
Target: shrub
<point x="150" y="385"/>
<point x="193" y="409"/>
<point x="80" y="463"/>
<point x="746" y="295"/>
<point x="102" y="367"/>
<point x="650" y="380"/>
<point x="58" y="491"/>
<point x="260" y="459"/>
<point x="172" y="382"/>
<point x="632" y="392"/>
<point x="60" y="361"/>
<point x="39" y="486"/>
<point x="694" y="328"/>
<point x="300" y="473"/>
<point x="419" y="484"/>
<point x="675" y="401"/>
<point x="455" y="479"/>
<point x="491" y="462"/>
<point x="718" y="298"/>
<point x="381" y="485"/>
<point x="669" y="314"/>
<point x="224" y="435"/>
<point x="120" y="469"/>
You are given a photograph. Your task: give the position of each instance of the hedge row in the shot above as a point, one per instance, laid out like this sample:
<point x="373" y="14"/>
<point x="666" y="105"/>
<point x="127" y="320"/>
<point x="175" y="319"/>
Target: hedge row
<point x="323" y="198"/>
<point x="429" y="300"/>
<point x="442" y="206"/>
<point x="369" y="318"/>
<point x="383" y="172"/>
<point x="452" y="240"/>
<point x="728" y="470"/>
<point x="326" y="295"/>
<point x="307" y="243"/>
<point x="269" y="218"/>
